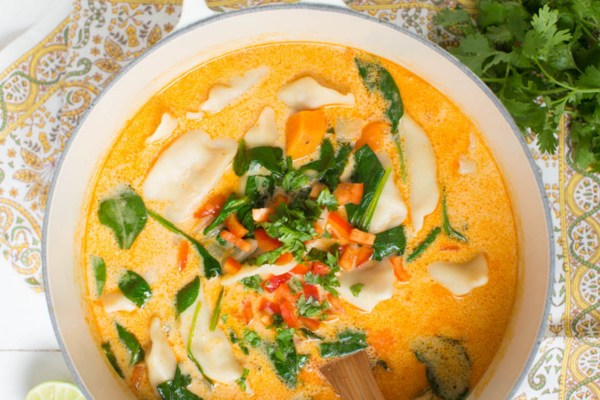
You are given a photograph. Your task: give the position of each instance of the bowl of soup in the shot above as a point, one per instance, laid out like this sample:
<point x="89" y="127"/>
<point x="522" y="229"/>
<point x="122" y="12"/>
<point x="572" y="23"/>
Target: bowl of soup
<point x="265" y="192"/>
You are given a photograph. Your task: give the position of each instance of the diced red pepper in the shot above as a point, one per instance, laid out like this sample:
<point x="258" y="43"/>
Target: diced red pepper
<point x="284" y="259"/>
<point x="232" y="266"/>
<point x="311" y="323"/>
<point x="265" y="242"/>
<point x="361" y="237"/>
<point x="349" y="193"/>
<point x="271" y="307"/>
<point x="300" y="269"/>
<point x="182" y="255"/>
<point x="402" y="274"/>
<point x="288" y="312"/>
<point x="364" y="255"/>
<point x="262" y="214"/>
<point x="212" y="206"/>
<point x="283" y="293"/>
<point x="273" y="282"/>
<point x="311" y="291"/>
<point x="337" y="226"/>
<point x="318" y="268"/>
<point x="349" y="256"/>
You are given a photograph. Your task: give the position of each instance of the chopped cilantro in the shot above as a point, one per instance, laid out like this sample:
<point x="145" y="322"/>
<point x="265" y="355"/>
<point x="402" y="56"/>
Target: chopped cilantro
<point x="355" y="289"/>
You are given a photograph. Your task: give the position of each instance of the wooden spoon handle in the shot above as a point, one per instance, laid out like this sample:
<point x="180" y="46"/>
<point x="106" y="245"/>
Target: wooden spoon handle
<point x="353" y="378"/>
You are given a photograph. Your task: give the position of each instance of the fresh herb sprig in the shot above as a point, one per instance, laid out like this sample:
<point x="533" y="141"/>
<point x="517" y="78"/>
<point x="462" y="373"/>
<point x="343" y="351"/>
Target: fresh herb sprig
<point x="541" y="59"/>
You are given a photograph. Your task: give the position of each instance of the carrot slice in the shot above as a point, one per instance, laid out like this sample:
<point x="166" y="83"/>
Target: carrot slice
<point x="337" y="226"/>
<point x="316" y="189"/>
<point x="212" y="206"/>
<point x="364" y="255"/>
<point x="232" y="266"/>
<point x="236" y="241"/>
<point x="361" y="237"/>
<point x="300" y="269"/>
<point x="261" y="214"/>
<point x="285" y="258"/>
<point x="265" y="242"/>
<point x="248" y="312"/>
<point x="233" y="225"/>
<point x="279" y="198"/>
<point x="349" y="257"/>
<point x="311" y="323"/>
<point x="137" y="376"/>
<point x="373" y="135"/>
<point x="402" y="274"/>
<point x="305" y="132"/>
<point x="348" y="193"/>
<point x="182" y="254"/>
<point x="288" y="312"/>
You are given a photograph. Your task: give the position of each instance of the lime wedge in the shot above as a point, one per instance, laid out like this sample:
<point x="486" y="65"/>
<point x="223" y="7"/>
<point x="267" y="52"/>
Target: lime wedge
<point x="55" y="391"/>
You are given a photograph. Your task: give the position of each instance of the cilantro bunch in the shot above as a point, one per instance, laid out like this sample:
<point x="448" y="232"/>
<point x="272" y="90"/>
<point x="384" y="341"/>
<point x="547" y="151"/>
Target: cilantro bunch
<point x="542" y="59"/>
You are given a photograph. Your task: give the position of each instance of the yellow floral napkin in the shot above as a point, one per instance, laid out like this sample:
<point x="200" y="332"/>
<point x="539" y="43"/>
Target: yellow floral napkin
<point x="45" y="89"/>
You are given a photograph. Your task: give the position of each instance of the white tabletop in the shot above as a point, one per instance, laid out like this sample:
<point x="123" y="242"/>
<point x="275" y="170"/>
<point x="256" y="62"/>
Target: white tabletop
<point x="29" y="352"/>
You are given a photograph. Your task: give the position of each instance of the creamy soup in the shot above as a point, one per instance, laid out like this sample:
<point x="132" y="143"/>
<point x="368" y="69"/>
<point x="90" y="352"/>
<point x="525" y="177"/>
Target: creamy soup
<point x="288" y="204"/>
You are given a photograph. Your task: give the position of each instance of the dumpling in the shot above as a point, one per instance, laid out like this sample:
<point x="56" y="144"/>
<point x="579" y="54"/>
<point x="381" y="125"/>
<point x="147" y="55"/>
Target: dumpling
<point x="219" y="95"/>
<point x="187" y="170"/>
<point x="460" y="279"/>
<point x="422" y="170"/>
<point x="167" y="126"/>
<point x="160" y="360"/>
<point x="378" y="281"/>
<point x="390" y="210"/>
<point x="307" y="94"/>
<point x="115" y="302"/>
<point x="265" y="269"/>
<point x="264" y="132"/>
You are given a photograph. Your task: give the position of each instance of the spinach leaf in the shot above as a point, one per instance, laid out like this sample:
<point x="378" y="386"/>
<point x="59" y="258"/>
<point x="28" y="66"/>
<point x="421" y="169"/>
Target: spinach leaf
<point x="259" y="187"/>
<point x="232" y="205"/>
<point x="348" y="342"/>
<point x="285" y="358"/>
<point x="125" y="214"/>
<point x="252" y="283"/>
<point x="187" y="295"/>
<point x="217" y="311"/>
<point x="135" y="288"/>
<point x="268" y="157"/>
<point x="376" y="77"/>
<point x="176" y="389"/>
<point x="355" y="289"/>
<point x="212" y="268"/>
<point x="389" y="242"/>
<point x="330" y="165"/>
<point x="448" y="229"/>
<point x="99" y="273"/>
<point x="112" y="359"/>
<point x="242" y="380"/>
<point x="425" y="244"/>
<point x="448" y="366"/>
<point x="132" y="344"/>
<point x="370" y="173"/>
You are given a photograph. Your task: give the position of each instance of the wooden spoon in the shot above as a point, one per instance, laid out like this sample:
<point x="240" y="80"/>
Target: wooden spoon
<point x="352" y="377"/>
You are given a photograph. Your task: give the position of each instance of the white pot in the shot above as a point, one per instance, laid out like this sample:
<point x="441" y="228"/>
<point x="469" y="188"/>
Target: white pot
<point x="224" y="33"/>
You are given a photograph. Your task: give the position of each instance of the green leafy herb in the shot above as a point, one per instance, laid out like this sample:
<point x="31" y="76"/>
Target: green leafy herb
<point x="252" y="283"/>
<point x="231" y="206"/>
<point x="187" y="295"/>
<point x="251" y="338"/>
<point x="448" y="366"/>
<point x="189" y="345"/>
<point x="176" y="389"/>
<point x="216" y="311"/>
<point x="135" y="350"/>
<point x="235" y="340"/>
<point x="348" y="342"/>
<point x="212" y="268"/>
<point x="259" y="187"/>
<point x="310" y="308"/>
<point x="327" y="199"/>
<point x="99" y="268"/>
<point x="285" y="358"/>
<point x="112" y="359"/>
<point x="278" y="322"/>
<point x="135" y="288"/>
<point x="294" y="179"/>
<point x="425" y="244"/>
<point x="267" y="157"/>
<point x="541" y="59"/>
<point x="389" y="242"/>
<point x="125" y="214"/>
<point x="383" y="365"/>
<point x="370" y="173"/>
<point x="242" y="380"/>
<point x="330" y="165"/>
<point x="448" y="229"/>
<point x="356" y="288"/>
<point x="311" y="335"/>
<point x="224" y="318"/>
<point x="376" y="77"/>
<point x="295" y="285"/>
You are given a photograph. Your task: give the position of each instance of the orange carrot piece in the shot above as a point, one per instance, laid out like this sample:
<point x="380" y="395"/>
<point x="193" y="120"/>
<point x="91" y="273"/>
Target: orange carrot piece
<point x="279" y="198"/>
<point x="248" y="312"/>
<point x="261" y="214"/>
<point x="364" y="255"/>
<point x="265" y="242"/>
<point x="232" y="266"/>
<point x="337" y="226"/>
<point x="373" y="135"/>
<point x="316" y="189"/>
<point x="361" y="237"/>
<point x="236" y="241"/>
<point x="348" y="193"/>
<point x="285" y="258"/>
<point x="233" y="224"/>
<point x="349" y="256"/>
<point x="300" y="269"/>
<point x="402" y="274"/>
<point x="182" y="255"/>
<point x="305" y="132"/>
<point x="311" y="323"/>
<point x="212" y="206"/>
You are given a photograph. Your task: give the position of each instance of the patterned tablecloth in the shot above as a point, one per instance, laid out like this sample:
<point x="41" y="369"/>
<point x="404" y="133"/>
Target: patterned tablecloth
<point x="46" y="88"/>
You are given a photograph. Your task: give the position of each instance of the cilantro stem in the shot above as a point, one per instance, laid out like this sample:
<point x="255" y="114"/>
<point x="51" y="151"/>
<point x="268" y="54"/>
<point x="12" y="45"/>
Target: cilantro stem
<point x="576" y="90"/>
<point x="216" y="311"/>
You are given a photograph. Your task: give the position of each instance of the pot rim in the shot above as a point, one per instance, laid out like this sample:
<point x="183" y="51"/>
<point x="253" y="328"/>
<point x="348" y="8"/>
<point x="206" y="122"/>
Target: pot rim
<point x="328" y="8"/>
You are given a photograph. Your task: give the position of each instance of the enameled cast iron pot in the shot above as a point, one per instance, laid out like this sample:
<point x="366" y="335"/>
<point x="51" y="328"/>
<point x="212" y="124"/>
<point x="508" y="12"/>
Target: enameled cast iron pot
<point x="201" y="37"/>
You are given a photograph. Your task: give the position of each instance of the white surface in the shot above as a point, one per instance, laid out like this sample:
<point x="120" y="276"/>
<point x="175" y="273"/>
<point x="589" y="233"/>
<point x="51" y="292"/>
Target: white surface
<point x="16" y="16"/>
